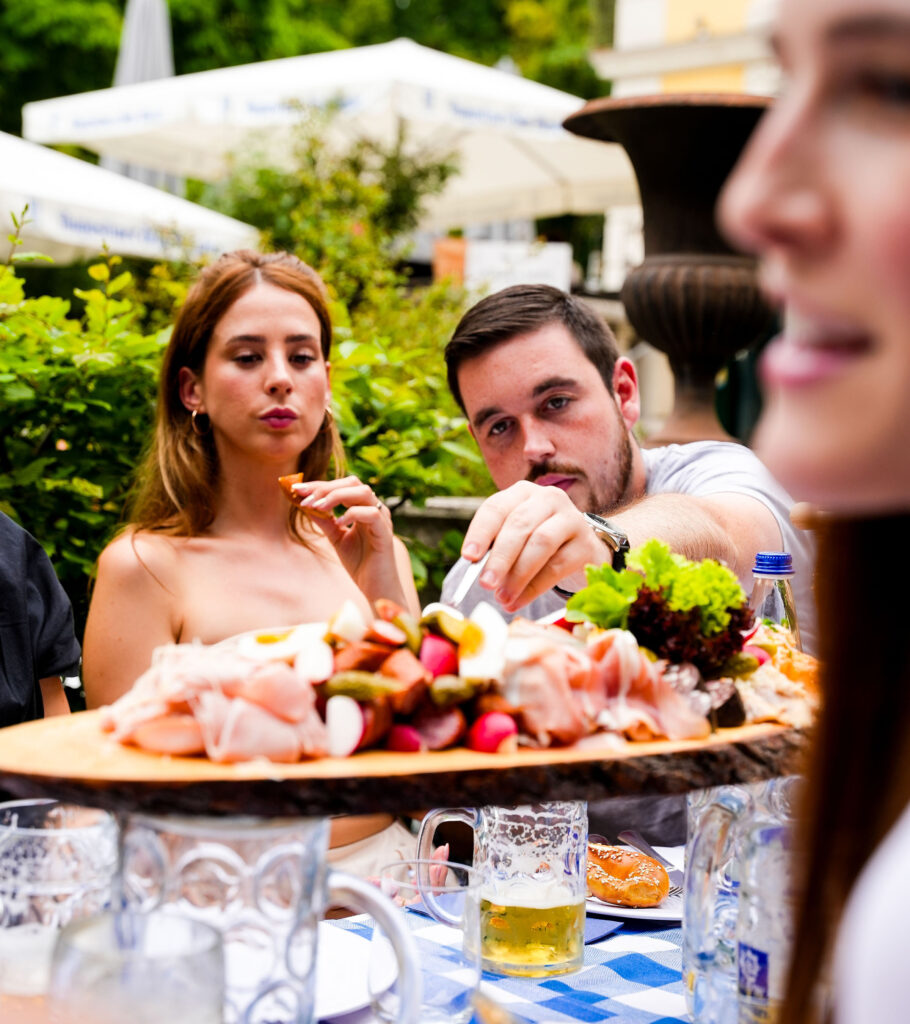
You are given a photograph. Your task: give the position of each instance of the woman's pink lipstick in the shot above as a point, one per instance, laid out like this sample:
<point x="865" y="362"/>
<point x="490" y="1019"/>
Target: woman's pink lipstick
<point x="279" y="419"/>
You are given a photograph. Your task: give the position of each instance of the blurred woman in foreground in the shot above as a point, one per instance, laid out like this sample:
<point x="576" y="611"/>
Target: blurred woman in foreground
<point x="214" y="547"/>
<point x="822" y="195"/>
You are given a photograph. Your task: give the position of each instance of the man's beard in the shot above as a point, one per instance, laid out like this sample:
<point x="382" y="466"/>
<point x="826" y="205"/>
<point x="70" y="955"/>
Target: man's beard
<point x="603" y="504"/>
<point x="597" y="502"/>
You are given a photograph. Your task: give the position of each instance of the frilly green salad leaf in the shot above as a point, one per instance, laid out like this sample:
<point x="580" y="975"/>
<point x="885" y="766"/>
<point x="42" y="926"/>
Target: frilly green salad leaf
<point x="684" y="585"/>
<point x="606" y="599"/>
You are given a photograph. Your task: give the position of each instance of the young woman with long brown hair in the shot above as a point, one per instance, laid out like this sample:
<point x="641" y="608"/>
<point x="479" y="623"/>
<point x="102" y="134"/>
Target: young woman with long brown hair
<point x="822" y="195"/>
<point x="214" y="548"/>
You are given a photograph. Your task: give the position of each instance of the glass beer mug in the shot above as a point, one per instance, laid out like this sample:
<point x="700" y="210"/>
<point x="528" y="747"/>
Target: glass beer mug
<point x="264" y="885"/>
<point x="533" y="866"/>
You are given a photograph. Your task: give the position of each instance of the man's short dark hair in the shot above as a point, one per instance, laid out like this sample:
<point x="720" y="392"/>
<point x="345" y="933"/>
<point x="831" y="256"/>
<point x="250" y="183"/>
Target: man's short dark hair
<point x="522" y="309"/>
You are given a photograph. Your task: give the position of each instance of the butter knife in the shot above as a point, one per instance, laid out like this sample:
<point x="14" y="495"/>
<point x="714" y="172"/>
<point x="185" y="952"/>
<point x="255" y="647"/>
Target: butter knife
<point x="467" y="581"/>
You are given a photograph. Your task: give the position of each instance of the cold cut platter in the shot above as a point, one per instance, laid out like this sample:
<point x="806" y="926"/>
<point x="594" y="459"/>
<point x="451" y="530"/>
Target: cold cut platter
<point x="630" y="691"/>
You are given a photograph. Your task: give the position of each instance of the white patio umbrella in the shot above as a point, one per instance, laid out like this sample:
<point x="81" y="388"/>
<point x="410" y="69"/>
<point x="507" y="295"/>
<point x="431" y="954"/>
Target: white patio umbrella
<point x="516" y="159"/>
<point x="76" y="208"/>
<point x="145" y="54"/>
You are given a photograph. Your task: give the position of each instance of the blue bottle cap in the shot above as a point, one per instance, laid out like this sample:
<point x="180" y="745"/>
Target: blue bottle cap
<point x="773" y="563"/>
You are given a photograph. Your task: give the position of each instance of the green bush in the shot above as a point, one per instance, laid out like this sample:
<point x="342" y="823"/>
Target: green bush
<point x="76" y="407"/>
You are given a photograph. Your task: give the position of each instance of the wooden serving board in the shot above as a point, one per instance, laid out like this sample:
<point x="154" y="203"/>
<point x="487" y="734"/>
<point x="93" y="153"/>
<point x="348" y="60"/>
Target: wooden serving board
<point x="70" y="758"/>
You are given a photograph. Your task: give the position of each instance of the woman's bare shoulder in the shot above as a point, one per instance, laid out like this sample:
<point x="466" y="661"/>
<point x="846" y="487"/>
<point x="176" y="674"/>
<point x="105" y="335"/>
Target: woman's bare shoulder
<point x="140" y="556"/>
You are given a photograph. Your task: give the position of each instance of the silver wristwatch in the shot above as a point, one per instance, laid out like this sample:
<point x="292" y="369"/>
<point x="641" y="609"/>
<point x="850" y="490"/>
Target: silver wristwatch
<point x="611" y="535"/>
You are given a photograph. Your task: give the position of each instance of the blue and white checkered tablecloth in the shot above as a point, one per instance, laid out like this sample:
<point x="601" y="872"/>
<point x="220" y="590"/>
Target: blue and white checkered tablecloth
<point x="633" y="976"/>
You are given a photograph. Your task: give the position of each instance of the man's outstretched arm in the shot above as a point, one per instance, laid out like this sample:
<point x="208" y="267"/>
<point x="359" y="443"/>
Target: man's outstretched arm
<point x="538" y="539"/>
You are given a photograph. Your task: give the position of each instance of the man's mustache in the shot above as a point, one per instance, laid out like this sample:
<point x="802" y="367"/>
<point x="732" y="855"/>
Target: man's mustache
<point x="554" y="469"/>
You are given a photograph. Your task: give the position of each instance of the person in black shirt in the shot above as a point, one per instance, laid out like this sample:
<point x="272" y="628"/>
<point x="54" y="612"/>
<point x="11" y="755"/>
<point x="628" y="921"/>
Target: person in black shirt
<point x="38" y="645"/>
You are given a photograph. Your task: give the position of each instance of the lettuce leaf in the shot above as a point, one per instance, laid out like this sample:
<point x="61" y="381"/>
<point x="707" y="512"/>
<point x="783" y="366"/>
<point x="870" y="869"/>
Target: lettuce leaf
<point x="707" y="585"/>
<point x="606" y="599"/>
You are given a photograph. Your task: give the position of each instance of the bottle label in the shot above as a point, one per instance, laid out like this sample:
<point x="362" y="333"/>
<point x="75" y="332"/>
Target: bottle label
<point x="753" y="971"/>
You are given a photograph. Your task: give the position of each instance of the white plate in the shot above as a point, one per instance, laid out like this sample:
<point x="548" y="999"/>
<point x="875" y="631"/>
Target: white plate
<point x="670" y="910"/>
<point x="341" y="972"/>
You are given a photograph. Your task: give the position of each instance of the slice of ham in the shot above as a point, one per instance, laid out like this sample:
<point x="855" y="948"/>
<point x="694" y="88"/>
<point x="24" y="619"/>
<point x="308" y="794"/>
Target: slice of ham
<point x="174" y="733"/>
<point x="548" y="676"/>
<point x="197" y="699"/>
<point x="236" y="729"/>
<point x="640" y="702"/>
<point x="277" y="688"/>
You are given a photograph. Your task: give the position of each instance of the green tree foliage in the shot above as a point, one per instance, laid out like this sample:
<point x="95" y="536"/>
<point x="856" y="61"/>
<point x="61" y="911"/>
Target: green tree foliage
<point x="343" y="213"/>
<point x="54" y="47"/>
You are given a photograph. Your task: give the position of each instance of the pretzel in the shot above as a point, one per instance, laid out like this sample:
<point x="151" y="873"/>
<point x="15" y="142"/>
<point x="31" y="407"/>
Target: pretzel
<point x="620" y="875"/>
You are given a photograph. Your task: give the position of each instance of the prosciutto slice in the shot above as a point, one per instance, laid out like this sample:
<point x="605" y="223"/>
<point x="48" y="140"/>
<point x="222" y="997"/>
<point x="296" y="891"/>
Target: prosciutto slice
<point x="548" y="676"/>
<point x="640" y="702"/>
<point x="196" y="699"/>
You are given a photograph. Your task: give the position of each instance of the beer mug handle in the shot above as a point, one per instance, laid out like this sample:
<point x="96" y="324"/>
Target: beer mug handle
<point x="428" y="826"/>
<point x="349" y="891"/>
<point x="702" y="864"/>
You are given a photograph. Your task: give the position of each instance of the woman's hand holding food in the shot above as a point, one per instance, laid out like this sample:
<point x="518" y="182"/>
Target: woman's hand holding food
<point x="362" y="535"/>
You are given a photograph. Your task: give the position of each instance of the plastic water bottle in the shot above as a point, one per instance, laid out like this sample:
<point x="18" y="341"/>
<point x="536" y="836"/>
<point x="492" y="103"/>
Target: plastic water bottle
<point x="764" y="928"/>
<point x="772" y="595"/>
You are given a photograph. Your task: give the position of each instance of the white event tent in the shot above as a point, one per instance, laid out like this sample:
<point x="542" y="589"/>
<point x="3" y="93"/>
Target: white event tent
<point x="75" y="209"/>
<point x="516" y="160"/>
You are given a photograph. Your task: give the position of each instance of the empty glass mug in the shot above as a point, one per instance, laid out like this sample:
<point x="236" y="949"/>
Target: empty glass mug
<point x="57" y="864"/>
<point x="533" y="866"/>
<point x="450" y="965"/>
<point x="264" y="885"/>
<point x="143" y="968"/>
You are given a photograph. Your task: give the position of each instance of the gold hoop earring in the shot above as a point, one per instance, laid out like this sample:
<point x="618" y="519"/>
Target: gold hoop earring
<point x="195" y="424"/>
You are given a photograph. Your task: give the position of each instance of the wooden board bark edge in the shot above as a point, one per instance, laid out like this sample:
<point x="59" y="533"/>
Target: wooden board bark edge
<point x="71" y="759"/>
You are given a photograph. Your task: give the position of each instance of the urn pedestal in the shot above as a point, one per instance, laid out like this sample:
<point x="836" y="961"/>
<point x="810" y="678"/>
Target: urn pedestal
<point x="692" y="297"/>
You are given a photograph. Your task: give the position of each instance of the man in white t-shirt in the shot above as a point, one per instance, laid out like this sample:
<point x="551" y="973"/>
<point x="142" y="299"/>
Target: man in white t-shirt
<point x="551" y="404"/>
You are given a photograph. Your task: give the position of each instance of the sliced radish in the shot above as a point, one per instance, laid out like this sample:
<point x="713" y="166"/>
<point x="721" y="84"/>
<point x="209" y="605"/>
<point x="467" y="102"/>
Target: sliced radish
<point x="557" y="618"/>
<point x="757" y="652"/>
<point x="386" y="633"/>
<point x="439" y="655"/>
<point x="494" y="732"/>
<point x="347" y="624"/>
<point x="747" y="634"/>
<point x="405" y="738"/>
<point x="345" y="725"/>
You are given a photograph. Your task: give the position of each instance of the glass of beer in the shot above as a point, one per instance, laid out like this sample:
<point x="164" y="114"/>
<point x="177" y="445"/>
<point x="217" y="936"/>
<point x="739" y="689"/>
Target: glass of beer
<point x="532" y="861"/>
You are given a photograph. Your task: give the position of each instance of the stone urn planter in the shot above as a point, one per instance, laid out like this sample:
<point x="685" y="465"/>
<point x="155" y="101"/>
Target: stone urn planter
<point x="693" y="297"/>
